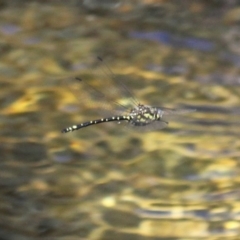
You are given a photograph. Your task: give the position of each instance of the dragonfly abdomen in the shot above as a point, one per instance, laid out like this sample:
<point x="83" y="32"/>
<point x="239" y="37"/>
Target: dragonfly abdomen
<point x="97" y="121"/>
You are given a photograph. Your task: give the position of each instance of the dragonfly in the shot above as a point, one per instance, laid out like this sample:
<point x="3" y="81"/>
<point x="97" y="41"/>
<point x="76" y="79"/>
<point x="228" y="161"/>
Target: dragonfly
<point x="139" y="115"/>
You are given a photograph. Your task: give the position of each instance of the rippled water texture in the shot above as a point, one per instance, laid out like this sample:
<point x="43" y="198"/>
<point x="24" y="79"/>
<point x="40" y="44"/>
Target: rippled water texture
<point x="108" y="181"/>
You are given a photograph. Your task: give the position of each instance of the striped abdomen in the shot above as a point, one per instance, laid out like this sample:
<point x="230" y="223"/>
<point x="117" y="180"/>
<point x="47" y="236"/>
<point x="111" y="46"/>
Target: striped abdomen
<point x="89" y="123"/>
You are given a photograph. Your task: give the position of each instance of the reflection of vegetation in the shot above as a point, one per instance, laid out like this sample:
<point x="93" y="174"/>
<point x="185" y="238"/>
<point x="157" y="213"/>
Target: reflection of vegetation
<point x="184" y="178"/>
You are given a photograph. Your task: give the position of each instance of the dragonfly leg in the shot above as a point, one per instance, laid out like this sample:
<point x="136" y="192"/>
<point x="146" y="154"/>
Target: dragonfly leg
<point x="164" y="121"/>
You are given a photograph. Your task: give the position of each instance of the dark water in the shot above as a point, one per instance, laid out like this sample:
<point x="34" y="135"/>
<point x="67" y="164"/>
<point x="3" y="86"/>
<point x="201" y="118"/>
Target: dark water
<point x="108" y="181"/>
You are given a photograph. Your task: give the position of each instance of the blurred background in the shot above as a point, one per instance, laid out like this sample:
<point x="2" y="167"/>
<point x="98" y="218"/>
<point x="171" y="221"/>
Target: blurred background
<point x="107" y="181"/>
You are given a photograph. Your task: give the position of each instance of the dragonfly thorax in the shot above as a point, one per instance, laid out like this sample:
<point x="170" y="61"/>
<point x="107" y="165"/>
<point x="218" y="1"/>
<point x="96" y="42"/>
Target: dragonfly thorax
<point x="143" y="115"/>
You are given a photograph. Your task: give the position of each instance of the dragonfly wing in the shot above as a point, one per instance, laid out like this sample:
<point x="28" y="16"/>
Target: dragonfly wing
<point x="173" y="111"/>
<point x="153" y="126"/>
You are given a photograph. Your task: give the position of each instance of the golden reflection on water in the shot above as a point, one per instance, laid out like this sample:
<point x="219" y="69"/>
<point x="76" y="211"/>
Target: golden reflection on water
<point x="105" y="181"/>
